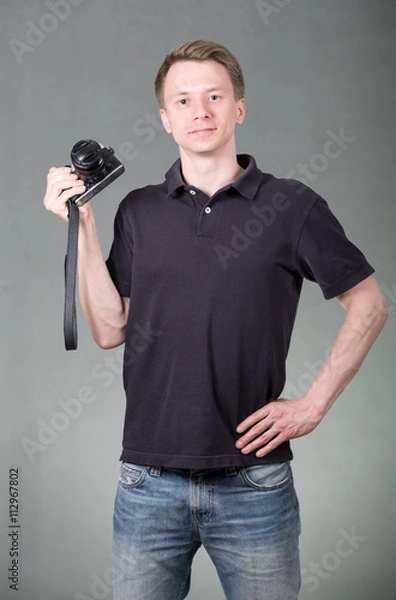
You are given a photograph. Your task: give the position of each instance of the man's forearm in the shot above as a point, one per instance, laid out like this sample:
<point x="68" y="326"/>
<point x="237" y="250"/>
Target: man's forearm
<point x="366" y="315"/>
<point x="104" y="308"/>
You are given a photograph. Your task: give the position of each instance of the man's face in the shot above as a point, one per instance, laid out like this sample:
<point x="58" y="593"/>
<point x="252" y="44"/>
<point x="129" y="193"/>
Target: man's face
<point x="200" y="107"/>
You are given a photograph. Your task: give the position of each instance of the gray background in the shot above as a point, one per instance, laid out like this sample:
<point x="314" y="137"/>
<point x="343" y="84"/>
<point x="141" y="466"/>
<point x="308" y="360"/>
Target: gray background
<point x="311" y="66"/>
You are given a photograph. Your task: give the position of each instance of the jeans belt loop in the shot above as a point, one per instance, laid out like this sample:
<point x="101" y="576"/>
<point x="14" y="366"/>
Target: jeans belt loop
<point x="231" y="471"/>
<point x="155" y="471"/>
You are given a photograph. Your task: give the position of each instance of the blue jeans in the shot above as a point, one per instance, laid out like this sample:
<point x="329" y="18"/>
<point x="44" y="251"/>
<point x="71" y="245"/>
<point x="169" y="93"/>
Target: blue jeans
<point x="246" y="518"/>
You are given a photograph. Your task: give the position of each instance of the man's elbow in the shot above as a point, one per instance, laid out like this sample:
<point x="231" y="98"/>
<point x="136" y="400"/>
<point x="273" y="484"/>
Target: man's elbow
<point x="107" y="341"/>
<point x="375" y="312"/>
<point x="382" y="311"/>
<point x="108" y="334"/>
<point x="366" y="306"/>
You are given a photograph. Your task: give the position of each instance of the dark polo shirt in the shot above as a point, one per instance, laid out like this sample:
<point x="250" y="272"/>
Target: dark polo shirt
<point x="214" y="285"/>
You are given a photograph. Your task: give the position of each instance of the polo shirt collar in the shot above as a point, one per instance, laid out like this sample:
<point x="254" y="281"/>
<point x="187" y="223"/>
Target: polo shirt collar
<point x="246" y="184"/>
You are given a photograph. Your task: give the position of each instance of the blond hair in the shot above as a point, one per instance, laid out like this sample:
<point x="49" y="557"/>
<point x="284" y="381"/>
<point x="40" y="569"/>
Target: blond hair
<point x="201" y="50"/>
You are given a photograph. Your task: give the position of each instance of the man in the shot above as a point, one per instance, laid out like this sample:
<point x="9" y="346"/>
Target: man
<point x="202" y="284"/>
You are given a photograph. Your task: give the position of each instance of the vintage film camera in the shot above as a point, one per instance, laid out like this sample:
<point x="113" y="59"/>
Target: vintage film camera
<point x="96" y="165"/>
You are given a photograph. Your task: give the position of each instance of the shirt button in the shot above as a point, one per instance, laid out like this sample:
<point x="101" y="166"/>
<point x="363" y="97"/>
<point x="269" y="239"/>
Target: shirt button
<point x="192" y="192"/>
<point x="208" y="210"/>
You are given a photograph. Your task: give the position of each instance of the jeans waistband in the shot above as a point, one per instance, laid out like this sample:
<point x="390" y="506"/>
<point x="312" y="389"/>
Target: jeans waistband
<point x="227" y="471"/>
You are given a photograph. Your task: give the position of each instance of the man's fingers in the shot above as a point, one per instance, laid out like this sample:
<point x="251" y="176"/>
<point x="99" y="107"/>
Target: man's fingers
<point x="60" y="181"/>
<point x="70" y="192"/>
<point x="56" y="197"/>
<point x="66" y="184"/>
<point x="273" y="410"/>
<point x="269" y="447"/>
<point x="252" y="420"/>
<point x="62" y="185"/>
<point x="53" y="172"/>
<point x="269" y="439"/>
<point x="256" y="433"/>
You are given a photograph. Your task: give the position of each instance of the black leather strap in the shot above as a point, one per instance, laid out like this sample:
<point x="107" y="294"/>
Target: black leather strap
<point x="70" y="315"/>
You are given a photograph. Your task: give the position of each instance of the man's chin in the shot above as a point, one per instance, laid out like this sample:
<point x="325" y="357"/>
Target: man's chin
<point x="203" y="148"/>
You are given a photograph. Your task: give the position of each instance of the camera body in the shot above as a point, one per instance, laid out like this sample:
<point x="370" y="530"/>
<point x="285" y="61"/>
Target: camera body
<point x="96" y="165"/>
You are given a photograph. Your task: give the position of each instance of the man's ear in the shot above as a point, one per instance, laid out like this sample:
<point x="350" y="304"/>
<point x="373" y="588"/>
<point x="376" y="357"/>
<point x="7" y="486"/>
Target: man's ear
<point x="241" y="111"/>
<point x="165" y="121"/>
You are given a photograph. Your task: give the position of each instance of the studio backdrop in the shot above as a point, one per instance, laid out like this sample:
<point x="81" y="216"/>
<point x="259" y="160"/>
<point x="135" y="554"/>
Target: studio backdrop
<point x="320" y="97"/>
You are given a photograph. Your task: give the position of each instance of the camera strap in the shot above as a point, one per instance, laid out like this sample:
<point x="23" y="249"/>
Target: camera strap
<point x="70" y="314"/>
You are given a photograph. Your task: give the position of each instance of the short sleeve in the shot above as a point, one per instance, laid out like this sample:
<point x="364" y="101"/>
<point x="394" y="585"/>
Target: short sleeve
<point x="119" y="262"/>
<point x="325" y="255"/>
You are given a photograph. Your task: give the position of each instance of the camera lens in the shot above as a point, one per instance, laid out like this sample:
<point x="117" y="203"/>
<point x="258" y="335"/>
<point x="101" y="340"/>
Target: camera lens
<point x="87" y="159"/>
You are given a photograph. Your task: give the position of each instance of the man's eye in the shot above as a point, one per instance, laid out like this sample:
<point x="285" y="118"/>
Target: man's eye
<point x="214" y="97"/>
<point x="183" y="101"/>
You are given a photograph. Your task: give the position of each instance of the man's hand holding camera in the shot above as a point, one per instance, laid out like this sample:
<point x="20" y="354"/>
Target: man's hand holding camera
<point x="63" y="184"/>
<point x="94" y="167"/>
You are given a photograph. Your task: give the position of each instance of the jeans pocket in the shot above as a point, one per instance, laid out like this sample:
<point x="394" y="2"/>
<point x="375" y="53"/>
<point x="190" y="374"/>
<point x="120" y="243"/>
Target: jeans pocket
<point x="268" y="476"/>
<point x="131" y="475"/>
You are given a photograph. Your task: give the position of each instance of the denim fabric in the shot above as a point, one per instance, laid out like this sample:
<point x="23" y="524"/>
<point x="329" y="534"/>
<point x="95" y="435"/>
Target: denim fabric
<point x="246" y="518"/>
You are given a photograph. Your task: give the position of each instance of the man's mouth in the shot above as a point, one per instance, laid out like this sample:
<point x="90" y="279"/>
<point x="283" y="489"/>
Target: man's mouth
<point x="203" y="130"/>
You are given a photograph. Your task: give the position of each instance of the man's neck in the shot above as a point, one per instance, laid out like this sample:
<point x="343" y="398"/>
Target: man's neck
<point x="210" y="173"/>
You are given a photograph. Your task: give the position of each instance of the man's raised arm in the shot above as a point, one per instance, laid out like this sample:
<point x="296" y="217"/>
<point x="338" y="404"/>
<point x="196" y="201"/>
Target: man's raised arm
<point x="105" y="310"/>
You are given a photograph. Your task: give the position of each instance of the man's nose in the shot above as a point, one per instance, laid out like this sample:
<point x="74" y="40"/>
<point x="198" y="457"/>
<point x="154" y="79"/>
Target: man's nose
<point x="201" y="111"/>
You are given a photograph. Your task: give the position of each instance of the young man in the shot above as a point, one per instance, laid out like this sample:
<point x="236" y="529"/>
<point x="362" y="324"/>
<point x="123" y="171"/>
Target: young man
<point x="202" y="284"/>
